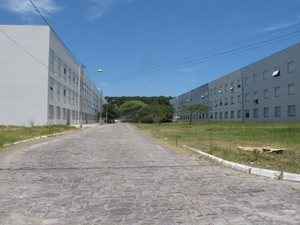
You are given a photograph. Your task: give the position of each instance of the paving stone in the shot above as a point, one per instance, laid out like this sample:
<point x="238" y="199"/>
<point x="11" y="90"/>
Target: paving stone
<point x="113" y="174"/>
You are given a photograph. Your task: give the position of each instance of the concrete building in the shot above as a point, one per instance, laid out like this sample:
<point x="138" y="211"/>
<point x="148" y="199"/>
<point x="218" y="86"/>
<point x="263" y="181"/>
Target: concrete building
<point x="265" y="91"/>
<point x="41" y="81"/>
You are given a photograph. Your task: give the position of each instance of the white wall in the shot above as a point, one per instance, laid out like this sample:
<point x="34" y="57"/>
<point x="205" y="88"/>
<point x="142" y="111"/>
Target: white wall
<point x="24" y="57"/>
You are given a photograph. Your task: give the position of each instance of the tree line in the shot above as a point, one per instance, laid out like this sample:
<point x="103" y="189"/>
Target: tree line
<point x="138" y="109"/>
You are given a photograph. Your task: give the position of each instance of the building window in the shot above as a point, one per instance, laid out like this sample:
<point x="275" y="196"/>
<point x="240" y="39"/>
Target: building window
<point x="266" y="93"/>
<point x="254" y="78"/>
<point x="51" y="83"/>
<point x="225" y="88"/>
<point x="220" y="115"/>
<point x="290" y="67"/>
<point x="59" y="67"/>
<point x="64" y="113"/>
<point x="52" y="60"/>
<point x="58" y="91"/>
<point x="266" y="112"/>
<point x="231" y="114"/>
<point x="57" y="112"/>
<point x="247" y="113"/>
<point x="226" y="115"/>
<point x="216" y="115"/>
<point x="276" y="72"/>
<point x="255" y="97"/>
<point x="239" y="113"/>
<point x="291" y="110"/>
<point x="238" y="83"/>
<point x="239" y="99"/>
<point x="247" y="97"/>
<point x="220" y="102"/>
<point x="291" y="89"/>
<point x="255" y="113"/>
<point x="277" y="91"/>
<point x="265" y="75"/>
<point x="277" y="111"/>
<point x="50" y="112"/>
<point x="246" y="81"/>
<point x="231" y="100"/>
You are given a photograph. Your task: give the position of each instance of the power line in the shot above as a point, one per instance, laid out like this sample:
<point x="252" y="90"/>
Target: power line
<point x="192" y="60"/>
<point x="21" y="47"/>
<point x="40" y="13"/>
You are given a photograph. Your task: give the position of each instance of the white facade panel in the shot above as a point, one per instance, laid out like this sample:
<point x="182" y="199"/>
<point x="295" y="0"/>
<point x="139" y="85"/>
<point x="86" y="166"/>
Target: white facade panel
<point x="24" y="74"/>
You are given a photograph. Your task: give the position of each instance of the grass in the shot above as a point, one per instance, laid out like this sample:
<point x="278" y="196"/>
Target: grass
<point x="10" y="134"/>
<point x="222" y="138"/>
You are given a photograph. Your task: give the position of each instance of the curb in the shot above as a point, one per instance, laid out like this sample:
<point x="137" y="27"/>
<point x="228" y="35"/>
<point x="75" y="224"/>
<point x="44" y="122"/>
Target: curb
<point x="33" y="139"/>
<point x="248" y="169"/>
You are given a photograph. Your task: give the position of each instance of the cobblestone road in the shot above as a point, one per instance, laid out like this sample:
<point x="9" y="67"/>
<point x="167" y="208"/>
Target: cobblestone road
<point x="113" y="174"/>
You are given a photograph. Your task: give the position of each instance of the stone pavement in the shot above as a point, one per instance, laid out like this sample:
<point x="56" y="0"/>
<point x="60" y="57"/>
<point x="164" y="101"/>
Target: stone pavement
<point x="113" y="174"/>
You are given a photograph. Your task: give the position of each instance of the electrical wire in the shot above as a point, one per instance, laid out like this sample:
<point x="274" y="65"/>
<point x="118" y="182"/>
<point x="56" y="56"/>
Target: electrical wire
<point x="192" y="60"/>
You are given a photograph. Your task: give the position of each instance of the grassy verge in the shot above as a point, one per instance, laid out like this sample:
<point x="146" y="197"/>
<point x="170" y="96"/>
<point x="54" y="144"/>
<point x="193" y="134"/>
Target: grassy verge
<point x="222" y="138"/>
<point x="10" y="134"/>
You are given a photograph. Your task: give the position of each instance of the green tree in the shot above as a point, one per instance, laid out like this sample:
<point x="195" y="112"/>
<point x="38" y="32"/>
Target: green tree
<point x="133" y="111"/>
<point x="109" y="112"/>
<point x="194" y="108"/>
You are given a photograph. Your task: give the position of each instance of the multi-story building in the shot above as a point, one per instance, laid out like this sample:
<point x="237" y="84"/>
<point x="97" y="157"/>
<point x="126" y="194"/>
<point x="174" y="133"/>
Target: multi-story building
<point x="265" y="91"/>
<point x="41" y="81"/>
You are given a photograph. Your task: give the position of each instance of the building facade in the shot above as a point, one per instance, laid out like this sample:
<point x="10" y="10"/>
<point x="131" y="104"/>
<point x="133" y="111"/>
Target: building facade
<point x="41" y="82"/>
<point x="265" y="91"/>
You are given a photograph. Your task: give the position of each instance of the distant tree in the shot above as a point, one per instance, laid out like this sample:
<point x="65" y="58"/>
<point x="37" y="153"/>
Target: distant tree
<point x="109" y="112"/>
<point x="194" y="108"/>
<point x="133" y="110"/>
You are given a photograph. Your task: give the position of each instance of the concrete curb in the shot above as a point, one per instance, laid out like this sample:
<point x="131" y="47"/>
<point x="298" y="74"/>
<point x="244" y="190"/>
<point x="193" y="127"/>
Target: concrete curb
<point x="33" y="139"/>
<point x="248" y="169"/>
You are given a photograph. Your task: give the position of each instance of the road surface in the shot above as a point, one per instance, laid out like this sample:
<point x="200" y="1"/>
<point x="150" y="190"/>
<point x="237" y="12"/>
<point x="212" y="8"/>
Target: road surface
<point x="114" y="174"/>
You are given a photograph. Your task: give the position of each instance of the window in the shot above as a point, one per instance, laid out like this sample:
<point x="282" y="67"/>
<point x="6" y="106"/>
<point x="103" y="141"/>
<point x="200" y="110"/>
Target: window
<point x="277" y="111"/>
<point x="220" y="115"/>
<point x="52" y="60"/>
<point x="254" y="78"/>
<point x="239" y="113"/>
<point x="247" y="97"/>
<point x="291" y="110"/>
<point x="59" y="67"/>
<point x="246" y="81"/>
<point x="255" y="113"/>
<point x="238" y="83"/>
<point x="50" y="112"/>
<point x="64" y="113"/>
<point x="231" y="114"/>
<point x="51" y="83"/>
<point x="247" y="113"/>
<point x="266" y="93"/>
<point x="58" y="91"/>
<point x="255" y="97"/>
<point x="216" y="115"/>
<point x="232" y="100"/>
<point x="265" y="75"/>
<point x="226" y="101"/>
<point x="291" y="89"/>
<point x="277" y="91"/>
<point x="225" y="88"/>
<point x="220" y="102"/>
<point x="266" y="112"/>
<point x="57" y="112"/>
<point x="276" y="72"/>
<point x="226" y="115"/>
<point x="239" y="99"/>
<point x="290" y="67"/>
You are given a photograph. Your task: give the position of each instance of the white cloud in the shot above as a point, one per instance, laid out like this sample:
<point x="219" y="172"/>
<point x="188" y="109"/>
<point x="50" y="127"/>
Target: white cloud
<point x="280" y="26"/>
<point x="98" y="7"/>
<point x="25" y="9"/>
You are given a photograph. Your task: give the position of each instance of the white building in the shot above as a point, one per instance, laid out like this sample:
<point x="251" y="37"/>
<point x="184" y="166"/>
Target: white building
<point x="265" y="91"/>
<point x="41" y="82"/>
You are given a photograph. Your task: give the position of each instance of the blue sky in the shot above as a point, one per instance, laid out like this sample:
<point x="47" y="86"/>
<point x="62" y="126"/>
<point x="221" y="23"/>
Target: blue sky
<point x="163" y="47"/>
